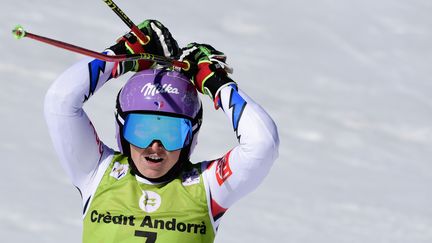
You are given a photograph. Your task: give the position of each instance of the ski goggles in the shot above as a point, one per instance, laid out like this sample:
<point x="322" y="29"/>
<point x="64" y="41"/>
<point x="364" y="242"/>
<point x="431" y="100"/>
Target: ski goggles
<point x="142" y="129"/>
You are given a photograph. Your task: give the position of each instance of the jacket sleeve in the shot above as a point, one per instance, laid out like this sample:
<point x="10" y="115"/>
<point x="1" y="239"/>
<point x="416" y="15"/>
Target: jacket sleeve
<point x="243" y="168"/>
<point x="74" y="138"/>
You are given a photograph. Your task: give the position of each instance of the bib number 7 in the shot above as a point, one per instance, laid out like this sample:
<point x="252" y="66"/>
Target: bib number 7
<point x="151" y="236"/>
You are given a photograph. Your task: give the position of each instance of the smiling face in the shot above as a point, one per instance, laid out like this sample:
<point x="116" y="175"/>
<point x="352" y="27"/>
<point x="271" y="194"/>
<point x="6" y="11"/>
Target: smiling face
<point x="154" y="161"/>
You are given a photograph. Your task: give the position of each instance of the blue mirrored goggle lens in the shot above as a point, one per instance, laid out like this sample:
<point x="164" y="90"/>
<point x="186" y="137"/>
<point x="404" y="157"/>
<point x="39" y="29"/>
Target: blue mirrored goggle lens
<point x="142" y="129"/>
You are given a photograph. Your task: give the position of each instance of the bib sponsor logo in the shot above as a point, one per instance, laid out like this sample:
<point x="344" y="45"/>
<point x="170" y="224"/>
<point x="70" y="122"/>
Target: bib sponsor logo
<point x="190" y="177"/>
<point x="119" y="170"/>
<point x="173" y="224"/>
<point x="150" y="201"/>
<point x="150" y="89"/>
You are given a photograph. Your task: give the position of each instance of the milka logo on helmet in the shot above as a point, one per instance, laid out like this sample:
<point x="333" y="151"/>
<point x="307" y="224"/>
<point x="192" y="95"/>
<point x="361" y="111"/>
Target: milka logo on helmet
<point x="151" y="89"/>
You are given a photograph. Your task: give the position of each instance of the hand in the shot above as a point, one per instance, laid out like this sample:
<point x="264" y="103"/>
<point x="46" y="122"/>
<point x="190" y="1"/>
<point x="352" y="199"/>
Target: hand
<point x="208" y="71"/>
<point x="160" y="42"/>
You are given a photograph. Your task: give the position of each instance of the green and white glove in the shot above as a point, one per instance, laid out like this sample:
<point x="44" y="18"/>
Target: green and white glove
<point x="206" y="69"/>
<point x="160" y="42"/>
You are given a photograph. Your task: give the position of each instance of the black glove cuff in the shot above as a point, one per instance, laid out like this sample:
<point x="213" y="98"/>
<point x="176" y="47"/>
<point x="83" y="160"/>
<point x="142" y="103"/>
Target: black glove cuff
<point x="119" y="48"/>
<point x="217" y="81"/>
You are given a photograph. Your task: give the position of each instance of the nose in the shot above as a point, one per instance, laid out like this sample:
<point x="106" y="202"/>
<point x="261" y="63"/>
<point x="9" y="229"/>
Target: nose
<point x="156" y="145"/>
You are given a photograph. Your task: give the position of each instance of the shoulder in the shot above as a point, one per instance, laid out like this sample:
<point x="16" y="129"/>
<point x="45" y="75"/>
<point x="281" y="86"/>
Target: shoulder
<point x="191" y="174"/>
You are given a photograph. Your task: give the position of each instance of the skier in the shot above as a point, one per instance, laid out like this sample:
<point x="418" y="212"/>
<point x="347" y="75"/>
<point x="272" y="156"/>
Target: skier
<point x="150" y="191"/>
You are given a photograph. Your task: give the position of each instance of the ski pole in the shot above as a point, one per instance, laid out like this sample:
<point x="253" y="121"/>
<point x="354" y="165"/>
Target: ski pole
<point x="127" y="20"/>
<point x="142" y="36"/>
<point x="134" y="28"/>
<point x="20" y="33"/>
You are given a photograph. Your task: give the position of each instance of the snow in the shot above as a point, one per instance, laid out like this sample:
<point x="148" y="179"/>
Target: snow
<point x="348" y="83"/>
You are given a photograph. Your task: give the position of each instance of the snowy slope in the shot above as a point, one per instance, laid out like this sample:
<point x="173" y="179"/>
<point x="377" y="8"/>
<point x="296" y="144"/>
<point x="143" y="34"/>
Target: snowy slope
<point x="348" y="83"/>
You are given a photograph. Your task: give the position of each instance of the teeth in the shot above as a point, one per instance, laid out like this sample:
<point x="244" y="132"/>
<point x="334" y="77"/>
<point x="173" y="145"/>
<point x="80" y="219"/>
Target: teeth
<point x="154" y="158"/>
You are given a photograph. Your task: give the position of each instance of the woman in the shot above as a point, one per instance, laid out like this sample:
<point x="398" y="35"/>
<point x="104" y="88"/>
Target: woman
<point x="150" y="191"/>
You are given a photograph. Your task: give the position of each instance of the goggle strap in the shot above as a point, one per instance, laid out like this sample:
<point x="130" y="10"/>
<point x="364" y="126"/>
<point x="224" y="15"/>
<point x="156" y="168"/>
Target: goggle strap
<point x="119" y="118"/>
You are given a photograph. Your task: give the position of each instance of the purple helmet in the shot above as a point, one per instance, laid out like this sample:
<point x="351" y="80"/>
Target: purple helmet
<point x="158" y="91"/>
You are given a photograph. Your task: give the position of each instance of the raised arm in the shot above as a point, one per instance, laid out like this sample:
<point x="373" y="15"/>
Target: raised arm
<point x="243" y="168"/>
<point x="74" y="137"/>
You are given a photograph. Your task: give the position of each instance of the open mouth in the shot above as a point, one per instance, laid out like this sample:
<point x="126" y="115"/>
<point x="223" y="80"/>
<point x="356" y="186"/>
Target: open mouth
<point x="154" y="159"/>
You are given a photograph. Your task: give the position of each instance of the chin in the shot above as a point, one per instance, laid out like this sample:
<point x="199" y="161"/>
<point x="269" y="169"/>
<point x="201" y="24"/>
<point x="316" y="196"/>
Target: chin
<point x="152" y="174"/>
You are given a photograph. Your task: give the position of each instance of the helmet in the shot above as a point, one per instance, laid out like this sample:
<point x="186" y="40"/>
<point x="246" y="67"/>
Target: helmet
<point x="160" y="92"/>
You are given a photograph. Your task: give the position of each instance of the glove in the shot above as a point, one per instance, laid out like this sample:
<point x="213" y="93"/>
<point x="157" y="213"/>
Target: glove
<point x="206" y="69"/>
<point x="160" y="42"/>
